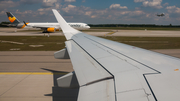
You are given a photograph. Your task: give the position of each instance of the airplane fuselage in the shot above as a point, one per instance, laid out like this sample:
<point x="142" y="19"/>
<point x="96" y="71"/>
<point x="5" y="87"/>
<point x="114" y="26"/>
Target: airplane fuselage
<point x="161" y="15"/>
<point x="50" y="25"/>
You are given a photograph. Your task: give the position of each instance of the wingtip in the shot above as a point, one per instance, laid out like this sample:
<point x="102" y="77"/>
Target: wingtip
<point x="63" y="24"/>
<point x="54" y="10"/>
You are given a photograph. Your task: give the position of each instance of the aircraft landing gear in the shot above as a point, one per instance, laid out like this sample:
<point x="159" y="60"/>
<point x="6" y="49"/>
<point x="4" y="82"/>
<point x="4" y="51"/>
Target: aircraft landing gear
<point x="45" y="32"/>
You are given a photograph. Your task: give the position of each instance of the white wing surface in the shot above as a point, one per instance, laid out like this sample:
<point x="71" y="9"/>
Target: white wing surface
<point x="112" y="71"/>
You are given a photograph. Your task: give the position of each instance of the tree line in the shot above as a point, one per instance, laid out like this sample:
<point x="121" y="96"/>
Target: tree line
<point x="4" y="24"/>
<point x="132" y="25"/>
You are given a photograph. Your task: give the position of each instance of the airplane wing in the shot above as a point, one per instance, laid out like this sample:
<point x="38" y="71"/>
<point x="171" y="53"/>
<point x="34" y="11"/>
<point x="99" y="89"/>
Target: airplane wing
<point x="112" y="71"/>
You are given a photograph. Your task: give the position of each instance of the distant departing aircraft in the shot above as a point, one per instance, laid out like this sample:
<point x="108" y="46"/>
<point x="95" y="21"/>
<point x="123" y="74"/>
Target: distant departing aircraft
<point x="161" y="15"/>
<point x="46" y="27"/>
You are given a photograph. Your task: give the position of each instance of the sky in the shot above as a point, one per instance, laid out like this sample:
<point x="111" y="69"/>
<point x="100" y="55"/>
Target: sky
<point x="94" y="11"/>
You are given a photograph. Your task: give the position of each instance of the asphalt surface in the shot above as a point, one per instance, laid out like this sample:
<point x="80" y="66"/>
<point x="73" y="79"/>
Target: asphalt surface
<point x="136" y="33"/>
<point x="31" y="75"/>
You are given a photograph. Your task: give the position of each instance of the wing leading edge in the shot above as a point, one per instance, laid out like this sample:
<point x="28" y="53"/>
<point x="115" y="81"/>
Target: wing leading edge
<point x="112" y="71"/>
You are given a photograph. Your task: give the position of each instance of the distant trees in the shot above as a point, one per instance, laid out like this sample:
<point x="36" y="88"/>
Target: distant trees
<point x="4" y="24"/>
<point x="131" y="25"/>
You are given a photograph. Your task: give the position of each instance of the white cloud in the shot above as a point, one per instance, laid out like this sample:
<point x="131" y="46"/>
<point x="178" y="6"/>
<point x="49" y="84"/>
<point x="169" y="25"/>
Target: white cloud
<point x="88" y="13"/>
<point x="115" y="13"/>
<point x="48" y="3"/>
<point x="8" y="4"/>
<point x="173" y="9"/>
<point x="70" y="0"/>
<point x="150" y="3"/>
<point x="5" y="5"/>
<point x="30" y="1"/>
<point x="25" y="12"/>
<point x="139" y="1"/>
<point x="44" y="11"/>
<point x="81" y="13"/>
<point x="117" y="6"/>
<point x="2" y="12"/>
<point x="165" y="4"/>
<point x="68" y="8"/>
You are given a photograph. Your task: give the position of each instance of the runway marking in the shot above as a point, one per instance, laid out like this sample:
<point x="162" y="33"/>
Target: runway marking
<point x="30" y="73"/>
<point x="109" y="33"/>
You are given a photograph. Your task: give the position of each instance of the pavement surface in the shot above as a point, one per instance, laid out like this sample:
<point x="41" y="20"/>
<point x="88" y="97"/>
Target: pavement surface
<point x="146" y="33"/>
<point x="32" y="61"/>
<point x="31" y="75"/>
<point x="25" y="32"/>
<point x="136" y="33"/>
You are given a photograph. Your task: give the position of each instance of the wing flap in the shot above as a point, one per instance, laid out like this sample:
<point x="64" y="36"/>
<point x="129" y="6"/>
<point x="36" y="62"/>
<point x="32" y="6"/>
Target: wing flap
<point x="165" y="86"/>
<point x="101" y="91"/>
<point x="135" y="95"/>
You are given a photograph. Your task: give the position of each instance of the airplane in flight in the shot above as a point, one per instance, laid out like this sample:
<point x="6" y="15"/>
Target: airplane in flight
<point x="105" y="70"/>
<point x="46" y="27"/>
<point x="160" y="15"/>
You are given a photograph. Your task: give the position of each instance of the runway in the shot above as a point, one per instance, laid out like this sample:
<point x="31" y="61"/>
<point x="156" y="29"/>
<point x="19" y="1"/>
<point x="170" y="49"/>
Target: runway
<point x="31" y="75"/>
<point x="135" y="33"/>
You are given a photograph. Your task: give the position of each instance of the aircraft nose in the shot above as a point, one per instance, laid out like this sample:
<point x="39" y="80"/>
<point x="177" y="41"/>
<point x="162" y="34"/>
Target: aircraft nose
<point x="88" y="27"/>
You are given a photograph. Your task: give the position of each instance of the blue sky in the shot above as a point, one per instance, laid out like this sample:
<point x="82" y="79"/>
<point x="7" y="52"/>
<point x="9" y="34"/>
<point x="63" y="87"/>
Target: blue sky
<point x="94" y="11"/>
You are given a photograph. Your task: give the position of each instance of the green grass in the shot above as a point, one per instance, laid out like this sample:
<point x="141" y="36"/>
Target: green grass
<point x="50" y="43"/>
<point x="149" y="42"/>
<point x="55" y="43"/>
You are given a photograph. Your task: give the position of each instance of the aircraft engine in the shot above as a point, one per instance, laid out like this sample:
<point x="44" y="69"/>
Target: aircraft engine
<point x="57" y="29"/>
<point x="51" y="29"/>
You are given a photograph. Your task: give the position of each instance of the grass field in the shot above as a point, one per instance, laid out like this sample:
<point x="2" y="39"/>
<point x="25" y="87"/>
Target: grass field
<point x="149" y="42"/>
<point x="55" y="43"/>
<point x="25" y="42"/>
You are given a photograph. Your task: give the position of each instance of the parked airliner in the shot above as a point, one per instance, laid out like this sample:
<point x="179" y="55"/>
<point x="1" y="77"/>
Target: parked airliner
<point x="46" y="27"/>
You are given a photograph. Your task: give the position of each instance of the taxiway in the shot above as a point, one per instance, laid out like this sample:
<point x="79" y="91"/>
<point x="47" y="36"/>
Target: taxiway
<point x="31" y="75"/>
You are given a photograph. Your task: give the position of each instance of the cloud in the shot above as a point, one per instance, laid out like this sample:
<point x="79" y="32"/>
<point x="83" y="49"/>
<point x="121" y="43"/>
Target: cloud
<point x="68" y="8"/>
<point x="139" y="1"/>
<point x="115" y="6"/>
<point x="173" y="9"/>
<point x="88" y="13"/>
<point x="30" y="2"/>
<point x="8" y="4"/>
<point x="24" y="13"/>
<point x="5" y="5"/>
<point x="96" y="16"/>
<point x="70" y="0"/>
<point x="2" y="12"/>
<point x="150" y="3"/>
<point x="48" y="3"/>
<point x="115" y="13"/>
<point x="165" y="4"/>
